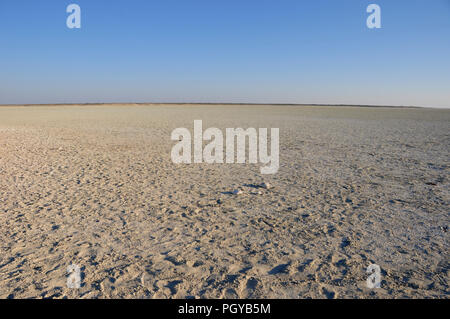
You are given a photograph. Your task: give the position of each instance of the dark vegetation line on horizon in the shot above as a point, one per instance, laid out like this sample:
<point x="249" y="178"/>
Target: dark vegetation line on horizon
<point x="225" y="103"/>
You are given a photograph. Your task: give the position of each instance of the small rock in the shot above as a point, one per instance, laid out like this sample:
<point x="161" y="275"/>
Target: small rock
<point x="237" y="192"/>
<point x="266" y="185"/>
<point x="194" y="263"/>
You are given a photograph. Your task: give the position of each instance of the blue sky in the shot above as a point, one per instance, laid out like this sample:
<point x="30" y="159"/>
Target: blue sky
<point x="262" y="51"/>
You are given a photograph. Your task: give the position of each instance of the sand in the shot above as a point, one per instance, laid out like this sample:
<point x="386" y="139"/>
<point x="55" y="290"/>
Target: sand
<point x="94" y="185"/>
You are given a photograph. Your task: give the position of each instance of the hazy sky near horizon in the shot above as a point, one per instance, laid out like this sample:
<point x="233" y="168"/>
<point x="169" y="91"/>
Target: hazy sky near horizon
<point x="261" y="51"/>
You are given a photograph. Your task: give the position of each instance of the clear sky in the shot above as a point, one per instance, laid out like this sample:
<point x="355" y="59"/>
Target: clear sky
<point x="262" y="51"/>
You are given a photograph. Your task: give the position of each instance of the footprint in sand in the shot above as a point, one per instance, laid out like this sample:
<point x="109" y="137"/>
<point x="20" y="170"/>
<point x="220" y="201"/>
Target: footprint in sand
<point x="249" y="288"/>
<point x="229" y="293"/>
<point x="280" y="269"/>
<point x="172" y="286"/>
<point x="328" y="293"/>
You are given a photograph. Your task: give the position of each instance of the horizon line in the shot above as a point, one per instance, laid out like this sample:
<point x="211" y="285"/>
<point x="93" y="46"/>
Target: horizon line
<point x="227" y="103"/>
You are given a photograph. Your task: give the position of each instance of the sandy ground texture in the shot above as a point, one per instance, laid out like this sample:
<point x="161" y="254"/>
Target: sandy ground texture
<point x="95" y="186"/>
